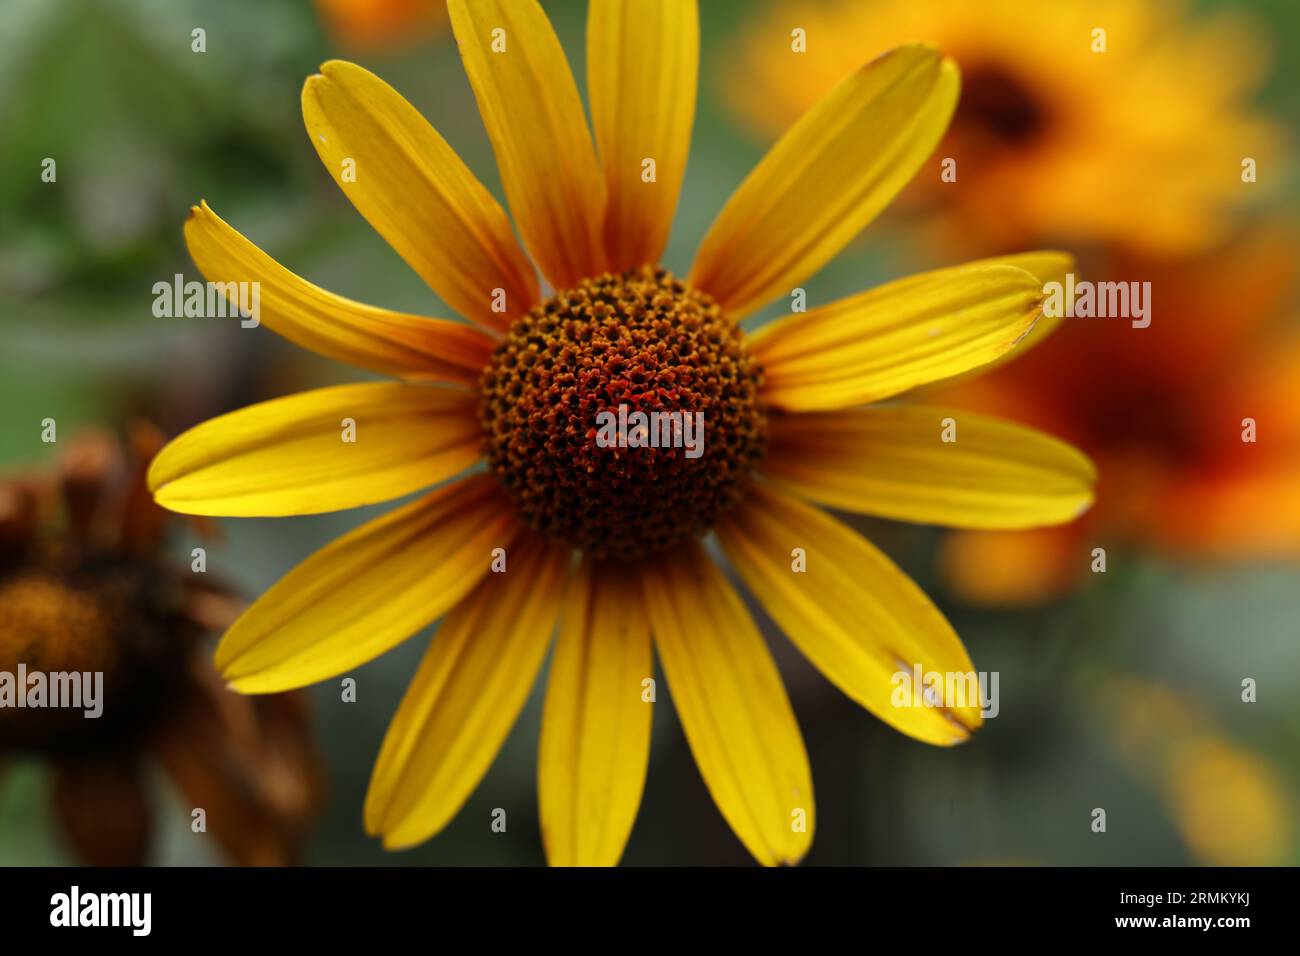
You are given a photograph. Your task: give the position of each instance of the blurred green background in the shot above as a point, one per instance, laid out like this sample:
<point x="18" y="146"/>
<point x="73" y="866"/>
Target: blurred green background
<point x="142" y="128"/>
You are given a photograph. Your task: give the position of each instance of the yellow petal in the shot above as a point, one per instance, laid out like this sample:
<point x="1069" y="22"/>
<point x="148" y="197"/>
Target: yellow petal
<point x="642" y="61"/>
<point x="895" y="337"/>
<point x="466" y="696"/>
<point x="391" y="343"/>
<point x="1046" y="265"/>
<point x="288" y="456"/>
<point x="852" y="612"/>
<point x="732" y="704"/>
<point x="534" y="118"/>
<point x="415" y="192"/>
<point x="828" y="177"/>
<point x="892" y="461"/>
<point x="368" y="591"/>
<point x="595" y="726"/>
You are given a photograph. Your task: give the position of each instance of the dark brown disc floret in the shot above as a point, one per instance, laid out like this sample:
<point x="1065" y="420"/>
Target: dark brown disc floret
<point x="563" y="399"/>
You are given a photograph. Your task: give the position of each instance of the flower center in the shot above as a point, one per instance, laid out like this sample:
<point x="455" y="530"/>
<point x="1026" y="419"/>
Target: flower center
<point x="997" y="103"/>
<point x="51" y="626"/>
<point x="61" y="627"/>
<point x="623" y="415"/>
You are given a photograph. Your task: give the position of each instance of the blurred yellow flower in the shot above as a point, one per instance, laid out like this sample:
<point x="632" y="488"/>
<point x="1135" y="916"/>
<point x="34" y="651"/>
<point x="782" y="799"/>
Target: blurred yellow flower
<point x="523" y="389"/>
<point x="1230" y="805"/>
<point x="1056" y="139"/>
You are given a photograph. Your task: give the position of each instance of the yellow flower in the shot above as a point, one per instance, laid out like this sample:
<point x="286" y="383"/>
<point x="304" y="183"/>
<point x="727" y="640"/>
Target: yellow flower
<point x="526" y="391"/>
<point x="1063" y="131"/>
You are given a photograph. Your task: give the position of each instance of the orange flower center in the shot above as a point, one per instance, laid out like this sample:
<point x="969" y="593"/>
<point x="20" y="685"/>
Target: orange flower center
<point x="623" y="415"/>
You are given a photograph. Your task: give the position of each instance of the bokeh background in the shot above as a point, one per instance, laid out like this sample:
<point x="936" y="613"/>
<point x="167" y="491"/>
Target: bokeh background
<point x="1119" y="690"/>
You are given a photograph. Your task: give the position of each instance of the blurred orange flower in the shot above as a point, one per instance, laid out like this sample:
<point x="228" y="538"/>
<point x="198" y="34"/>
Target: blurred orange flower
<point x="1167" y="412"/>
<point x="1056" y="138"/>
<point x="376" y="24"/>
<point x="85" y="589"/>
